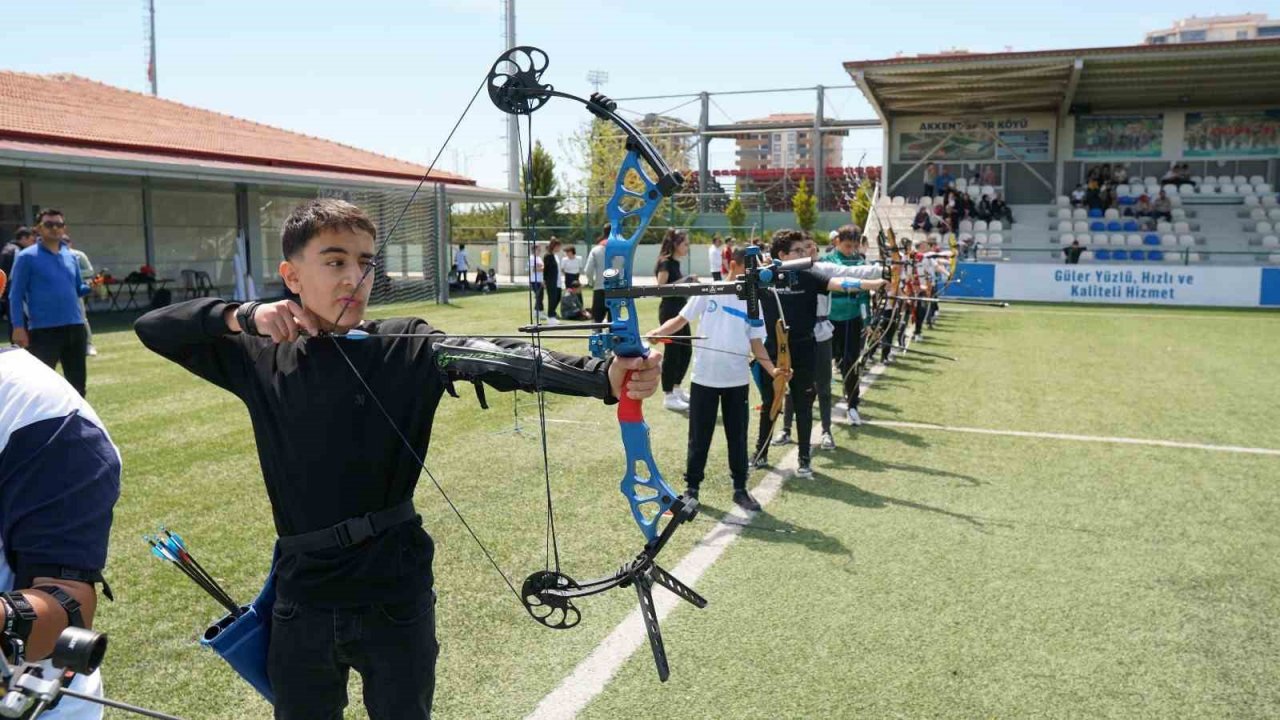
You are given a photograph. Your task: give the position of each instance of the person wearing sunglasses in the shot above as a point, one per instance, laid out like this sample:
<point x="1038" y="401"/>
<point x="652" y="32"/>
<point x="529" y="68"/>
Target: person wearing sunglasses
<point x="44" y="301"/>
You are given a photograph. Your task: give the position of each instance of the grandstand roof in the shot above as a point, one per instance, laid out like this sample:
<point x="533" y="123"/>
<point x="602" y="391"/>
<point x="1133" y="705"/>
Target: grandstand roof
<point x="56" y="120"/>
<point x="1241" y="72"/>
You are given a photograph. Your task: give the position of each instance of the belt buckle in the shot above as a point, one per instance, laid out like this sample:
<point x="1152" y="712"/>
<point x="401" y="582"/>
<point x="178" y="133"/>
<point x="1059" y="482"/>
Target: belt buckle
<point x="355" y="530"/>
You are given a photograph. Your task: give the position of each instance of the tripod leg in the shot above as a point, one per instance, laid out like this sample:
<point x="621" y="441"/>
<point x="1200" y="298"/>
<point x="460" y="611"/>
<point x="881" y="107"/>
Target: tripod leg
<point x="644" y="592"/>
<point x="670" y="582"/>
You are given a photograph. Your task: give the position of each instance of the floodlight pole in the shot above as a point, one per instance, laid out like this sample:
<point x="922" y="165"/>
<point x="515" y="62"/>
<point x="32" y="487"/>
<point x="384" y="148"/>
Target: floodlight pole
<point x="513" y="130"/>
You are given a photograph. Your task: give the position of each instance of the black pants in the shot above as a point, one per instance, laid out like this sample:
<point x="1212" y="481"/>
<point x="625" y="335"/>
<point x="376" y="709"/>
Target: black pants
<point x="715" y="276"/>
<point x="537" y="295"/>
<point x="821" y="386"/>
<point x="801" y="391"/>
<point x="599" y="310"/>
<point x="553" y="300"/>
<point x="847" y="347"/>
<point x="677" y="354"/>
<point x="313" y="650"/>
<point x="66" y="344"/>
<point x="920" y="309"/>
<point x="733" y="406"/>
<point x="570" y="279"/>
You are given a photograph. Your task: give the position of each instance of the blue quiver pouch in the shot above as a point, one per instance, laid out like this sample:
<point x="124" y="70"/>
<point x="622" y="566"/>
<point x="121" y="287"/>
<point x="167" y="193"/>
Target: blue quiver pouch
<point x="242" y="641"/>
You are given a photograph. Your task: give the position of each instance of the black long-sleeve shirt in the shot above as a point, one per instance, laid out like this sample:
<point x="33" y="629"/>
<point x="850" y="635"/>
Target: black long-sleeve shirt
<point x="326" y="451"/>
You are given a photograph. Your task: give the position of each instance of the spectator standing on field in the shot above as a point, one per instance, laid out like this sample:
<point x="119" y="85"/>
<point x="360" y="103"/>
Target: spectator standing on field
<point x="715" y="258"/>
<point x="44" y="301"/>
<point x="571" y="266"/>
<point x="23" y="238"/>
<point x="86" y="274"/>
<point x="594" y="271"/>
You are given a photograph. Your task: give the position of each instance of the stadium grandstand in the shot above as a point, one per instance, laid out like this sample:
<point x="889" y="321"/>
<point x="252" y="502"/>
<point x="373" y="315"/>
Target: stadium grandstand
<point x="1138" y="154"/>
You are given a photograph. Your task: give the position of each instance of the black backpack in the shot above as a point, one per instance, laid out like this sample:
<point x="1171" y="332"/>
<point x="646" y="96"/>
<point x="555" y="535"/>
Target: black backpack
<point x="160" y="298"/>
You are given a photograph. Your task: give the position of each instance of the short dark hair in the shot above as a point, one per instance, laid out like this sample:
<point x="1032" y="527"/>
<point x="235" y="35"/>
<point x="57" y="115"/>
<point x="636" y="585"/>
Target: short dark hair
<point x="783" y="240"/>
<point x="849" y="232"/>
<point x="316" y="216"/>
<point x="22" y="232"/>
<point x="48" y="212"/>
<point x="740" y="256"/>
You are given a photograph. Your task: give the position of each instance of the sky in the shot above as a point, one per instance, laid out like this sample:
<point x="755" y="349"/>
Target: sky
<point x="393" y="76"/>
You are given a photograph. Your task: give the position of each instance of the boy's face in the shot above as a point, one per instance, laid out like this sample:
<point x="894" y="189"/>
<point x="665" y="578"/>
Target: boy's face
<point x="847" y="247"/>
<point x="326" y="275"/>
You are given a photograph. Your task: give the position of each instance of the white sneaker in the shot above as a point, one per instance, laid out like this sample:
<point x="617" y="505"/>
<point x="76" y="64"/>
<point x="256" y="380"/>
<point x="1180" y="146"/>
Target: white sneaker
<point x="828" y="442"/>
<point x="854" y="418"/>
<point x="552" y="321"/>
<point x="673" y="402"/>
<point x="804" y="471"/>
<point x="683" y="395"/>
<point x="92" y="351"/>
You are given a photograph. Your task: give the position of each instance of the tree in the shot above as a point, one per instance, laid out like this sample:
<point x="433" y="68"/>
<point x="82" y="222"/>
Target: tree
<point x="540" y="181"/>
<point x="736" y="214"/>
<point x="860" y="210"/>
<point x="805" y="206"/>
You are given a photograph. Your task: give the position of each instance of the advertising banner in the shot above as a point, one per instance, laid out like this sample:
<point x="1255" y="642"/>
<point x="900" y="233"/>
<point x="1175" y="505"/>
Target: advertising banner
<point x="1029" y="136"/>
<point x="1243" y="134"/>
<point x="1118" y="136"/>
<point x="1153" y="284"/>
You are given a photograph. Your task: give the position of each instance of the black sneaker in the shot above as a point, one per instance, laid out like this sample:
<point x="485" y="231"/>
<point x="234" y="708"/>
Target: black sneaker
<point x="743" y="499"/>
<point x="782" y="438"/>
<point x="758" y="465"/>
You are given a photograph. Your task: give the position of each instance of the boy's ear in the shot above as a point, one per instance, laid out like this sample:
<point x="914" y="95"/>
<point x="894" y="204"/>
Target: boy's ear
<point x="289" y="273"/>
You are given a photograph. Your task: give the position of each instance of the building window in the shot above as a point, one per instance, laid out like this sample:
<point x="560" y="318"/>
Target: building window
<point x="1242" y="34"/>
<point x="1269" y="31"/>
<point x="1194" y="35"/>
<point x="1159" y="39"/>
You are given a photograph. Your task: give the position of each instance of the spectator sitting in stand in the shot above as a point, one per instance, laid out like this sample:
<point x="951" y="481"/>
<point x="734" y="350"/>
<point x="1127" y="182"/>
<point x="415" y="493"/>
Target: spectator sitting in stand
<point x="1000" y="210"/>
<point x="1141" y="208"/>
<point x="984" y="208"/>
<point x="922" y="220"/>
<point x="1077" y="196"/>
<point x="1162" y="208"/>
<point x="1072" y="253"/>
<point x="945" y="180"/>
<point x="930" y="178"/>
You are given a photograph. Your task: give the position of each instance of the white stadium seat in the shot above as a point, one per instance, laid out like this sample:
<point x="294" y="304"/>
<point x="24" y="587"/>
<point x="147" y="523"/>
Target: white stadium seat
<point x="1079" y="214"/>
<point x="1256" y="180"/>
<point x="1170" y="189"/>
<point x="1101" y="240"/>
<point x="1064" y="201"/>
<point x="1124" y="191"/>
<point x="1227" y="189"/>
<point x="1173" y="257"/>
<point x="995" y="239"/>
<point x="1269" y="201"/>
<point x="1263" y="227"/>
<point x="1175" y="200"/>
<point x="980" y="238"/>
<point x="1274" y="258"/>
<point x="962" y="184"/>
<point x="1224" y="180"/>
<point x="1271" y="241"/>
<point x="1257" y="214"/>
<point x="1087" y="256"/>
<point x="1067" y="239"/>
<point x="899" y="200"/>
<point x="962" y="237"/>
<point x="1186" y="240"/>
<point x="1273" y="214"/>
<point x="1182" y="227"/>
<point x="995" y="226"/>
<point x="1262" y="188"/>
<point x="1179" y="214"/>
<point x="1196" y="180"/>
<point x="966" y="226"/>
<point x="1251" y="201"/>
<point x="1193" y="257"/>
<point x="1168" y="240"/>
<point x="1081" y="226"/>
<point x="1240" y="180"/>
<point x="1064" y="213"/>
<point x="1150" y="180"/>
<point x="1133" y="240"/>
<point x="979" y="225"/>
<point x="1206" y="180"/>
<point x="1164" y="227"/>
<point x="1111" y="214"/>
<point x="1117" y="239"/>
<point x="1064" y="226"/>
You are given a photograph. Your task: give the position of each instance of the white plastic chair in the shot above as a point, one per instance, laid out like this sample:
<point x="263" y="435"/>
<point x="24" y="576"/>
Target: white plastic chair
<point x="1257" y="214"/>
<point x="1124" y="190"/>
<point x="1263" y="227"/>
<point x="1169" y="240"/>
<point x="1064" y="213"/>
<point x="1150" y="180"/>
<point x="1164" y="226"/>
<point x="1079" y="214"/>
<point x="1117" y="239"/>
<point x="966" y="226"/>
<point x="1271" y="241"/>
<point x="1179" y="214"/>
<point x="899" y="200"/>
<point x="1169" y="189"/>
<point x="1186" y="240"/>
<point x="1111" y="214"/>
<point x="1133" y="240"/>
<point x="1066" y="238"/>
<point x="1101" y="240"/>
<point x="1064" y="201"/>
<point x="1175" y="201"/>
<point x="979" y="225"/>
<point x="1196" y="180"/>
<point x="1273" y="214"/>
<point x="1081" y="226"/>
<point x="1182" y="227"/>
<point x="1274" y="258"/>
<point x="1226" y="189"/>
<point x="1206" y="180"/>
<point x="1240" y="180"/>
<point x="1251" y="201"/>
<point x="1263" y="188"/>
<point x="1087" y="256"/>
<point x="980" y="238"/>
<point x="995" y="239"/>
<point x="995" y="226"/>
<point x="1064" y="226"/>
<point x="1269" y="201"/>
<point x="1257" y="180"/>
<point x="989" y="191"/>
<point x="1224" y="180"/>
<point x="962" y="184"/>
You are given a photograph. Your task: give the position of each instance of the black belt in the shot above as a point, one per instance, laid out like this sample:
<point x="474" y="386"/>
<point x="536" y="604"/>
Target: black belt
<point x="350" y="532"/>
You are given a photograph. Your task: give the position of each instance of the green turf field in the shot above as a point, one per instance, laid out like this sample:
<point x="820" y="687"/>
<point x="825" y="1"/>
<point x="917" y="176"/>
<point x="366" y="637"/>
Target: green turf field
<point x="921" y="573"/>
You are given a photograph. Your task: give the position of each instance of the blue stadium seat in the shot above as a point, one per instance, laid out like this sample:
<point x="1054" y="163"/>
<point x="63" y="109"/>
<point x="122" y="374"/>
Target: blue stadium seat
<point x="1128" y="200"/>
<point x="1115" y="226"/>
<point x="1095" y="212"/>
<point x="1137" y="255"/>
<point x="1151" y="239"/>
<point x="1097" y="226"/>
<point x="1101" y="254"/>
<point x="1131" y="226"/>
<point x="1155" y="255"/>
<point x="1119" y="255"/>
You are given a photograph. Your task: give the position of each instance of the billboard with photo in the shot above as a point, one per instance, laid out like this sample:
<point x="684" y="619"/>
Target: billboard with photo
<point x="1028" y="136"/>
<point x="1118" y="136"/>
<point x="1244" y="133"/>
